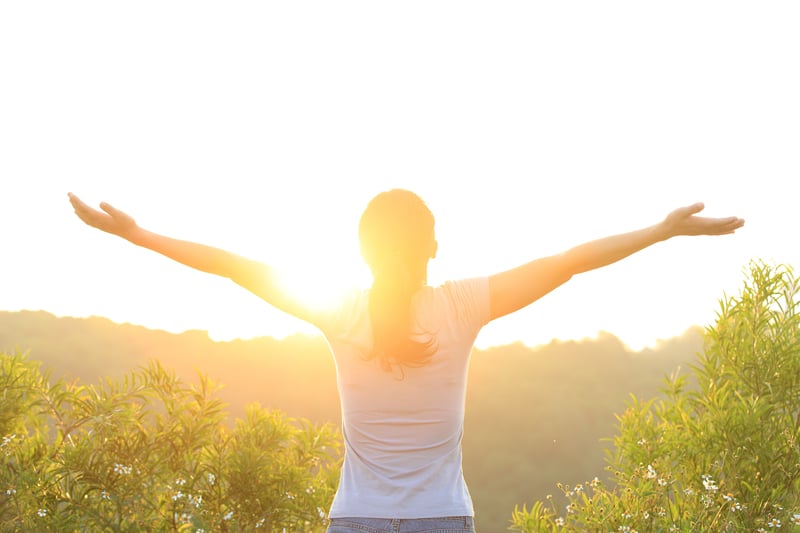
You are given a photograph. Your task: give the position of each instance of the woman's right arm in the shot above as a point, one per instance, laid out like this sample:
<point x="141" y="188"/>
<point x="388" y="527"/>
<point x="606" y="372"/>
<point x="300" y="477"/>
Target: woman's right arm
<point x="254" y="276"/>
<point x="516" y="288"/>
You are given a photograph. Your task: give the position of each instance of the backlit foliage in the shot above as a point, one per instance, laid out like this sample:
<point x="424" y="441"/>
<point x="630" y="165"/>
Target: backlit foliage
<point x="150" y="453"/>
<point x="723" y="455"/>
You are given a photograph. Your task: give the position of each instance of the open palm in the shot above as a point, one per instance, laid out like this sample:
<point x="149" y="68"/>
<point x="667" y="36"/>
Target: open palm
<point x="110" y="219"/>
<point x="684" y="221"/>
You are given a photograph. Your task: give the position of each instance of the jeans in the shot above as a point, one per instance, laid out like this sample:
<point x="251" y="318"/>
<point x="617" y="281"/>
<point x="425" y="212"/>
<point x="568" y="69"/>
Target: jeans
<point x="447" y="524"/>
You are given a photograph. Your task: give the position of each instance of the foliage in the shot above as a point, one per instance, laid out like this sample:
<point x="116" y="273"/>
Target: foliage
<point x="723" y="456"/>
<point x="151" y="453"/>
<point x="545" y="428"/>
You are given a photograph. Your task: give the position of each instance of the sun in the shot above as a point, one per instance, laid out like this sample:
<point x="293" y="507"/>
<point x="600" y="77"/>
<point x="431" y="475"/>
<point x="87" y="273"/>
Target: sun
<point x="320" y="287"/>
<point x="311" y="291"/>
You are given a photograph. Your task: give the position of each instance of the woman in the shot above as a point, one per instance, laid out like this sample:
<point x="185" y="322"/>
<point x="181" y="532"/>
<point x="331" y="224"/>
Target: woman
<point x="402" y="348"/>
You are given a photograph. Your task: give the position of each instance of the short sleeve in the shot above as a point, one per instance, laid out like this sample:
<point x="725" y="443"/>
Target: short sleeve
<point x="469" y="302"/>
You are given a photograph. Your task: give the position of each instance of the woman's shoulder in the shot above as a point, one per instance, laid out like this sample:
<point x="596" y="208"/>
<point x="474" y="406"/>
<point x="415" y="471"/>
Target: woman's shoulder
<point x="475" y="284"/>
<point x="467" y="297"/>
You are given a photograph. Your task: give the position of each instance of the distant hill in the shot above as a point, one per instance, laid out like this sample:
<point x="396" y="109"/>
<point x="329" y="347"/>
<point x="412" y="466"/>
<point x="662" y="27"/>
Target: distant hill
<point x="535" y="415"/>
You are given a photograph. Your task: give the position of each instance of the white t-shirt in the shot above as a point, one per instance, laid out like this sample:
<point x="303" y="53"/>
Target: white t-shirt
<point x="402" y="429"/>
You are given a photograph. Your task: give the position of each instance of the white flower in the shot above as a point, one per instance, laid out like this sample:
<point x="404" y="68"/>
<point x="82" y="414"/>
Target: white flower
<point x="42" y="512"/>
<point x="211" y="478"/>
<point x="122" y="469"/>
<point x="197" y="501"/>
<point x="709" y="484"/>
<point x="706" y="500"/>
<point x="559" y="521"/>
<point x="651" y="472"/>
<point x="228" y="515"/>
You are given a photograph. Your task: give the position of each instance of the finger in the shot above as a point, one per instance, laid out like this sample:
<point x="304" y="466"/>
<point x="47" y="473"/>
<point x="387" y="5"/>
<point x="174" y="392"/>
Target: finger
<point x="81" y="209"/>
<point x="87" y="214"/>
<point x="111" y="210"/>
<point x="695" y="208"/>
<point x="75" y="201"/>
<point x="736" y="223"/>
<point x="732" y="222"/>
<point x="727" y="225"/>
<point x="728" y="231"/>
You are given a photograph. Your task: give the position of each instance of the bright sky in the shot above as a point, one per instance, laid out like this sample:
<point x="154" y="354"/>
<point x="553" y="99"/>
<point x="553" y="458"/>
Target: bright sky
<point x="265" y="127"/>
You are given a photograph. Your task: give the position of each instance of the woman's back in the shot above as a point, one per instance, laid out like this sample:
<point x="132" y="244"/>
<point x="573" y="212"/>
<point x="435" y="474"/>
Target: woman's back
<point x="403" y="428"/>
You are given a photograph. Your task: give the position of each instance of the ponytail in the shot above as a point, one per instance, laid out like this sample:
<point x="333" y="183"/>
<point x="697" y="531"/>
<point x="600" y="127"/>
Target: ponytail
<point x="396" y="234"/>
<point x="390" y="314"/>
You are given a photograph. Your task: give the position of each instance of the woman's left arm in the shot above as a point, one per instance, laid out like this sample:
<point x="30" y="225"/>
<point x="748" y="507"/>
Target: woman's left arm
<point x="516" y="288"/>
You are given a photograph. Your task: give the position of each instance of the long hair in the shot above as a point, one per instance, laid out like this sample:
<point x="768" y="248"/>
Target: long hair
<point x="396" y="233"/>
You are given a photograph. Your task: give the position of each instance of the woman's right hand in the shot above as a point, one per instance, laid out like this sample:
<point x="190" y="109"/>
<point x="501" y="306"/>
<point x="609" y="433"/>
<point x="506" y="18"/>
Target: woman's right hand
<point x="110" y="219"/>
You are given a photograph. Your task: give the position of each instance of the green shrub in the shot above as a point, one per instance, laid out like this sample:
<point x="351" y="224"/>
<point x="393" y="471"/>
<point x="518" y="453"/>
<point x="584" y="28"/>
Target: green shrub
<point x="150" y="453"/>
<point x="719" y="454"/>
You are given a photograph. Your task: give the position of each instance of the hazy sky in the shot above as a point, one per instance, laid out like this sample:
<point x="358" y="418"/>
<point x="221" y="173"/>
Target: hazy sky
<point x="265" y="128"/>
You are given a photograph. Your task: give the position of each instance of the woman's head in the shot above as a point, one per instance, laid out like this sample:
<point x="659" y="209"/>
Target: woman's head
<point x="397" y="229"/>
<point x="397" y="239"/>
